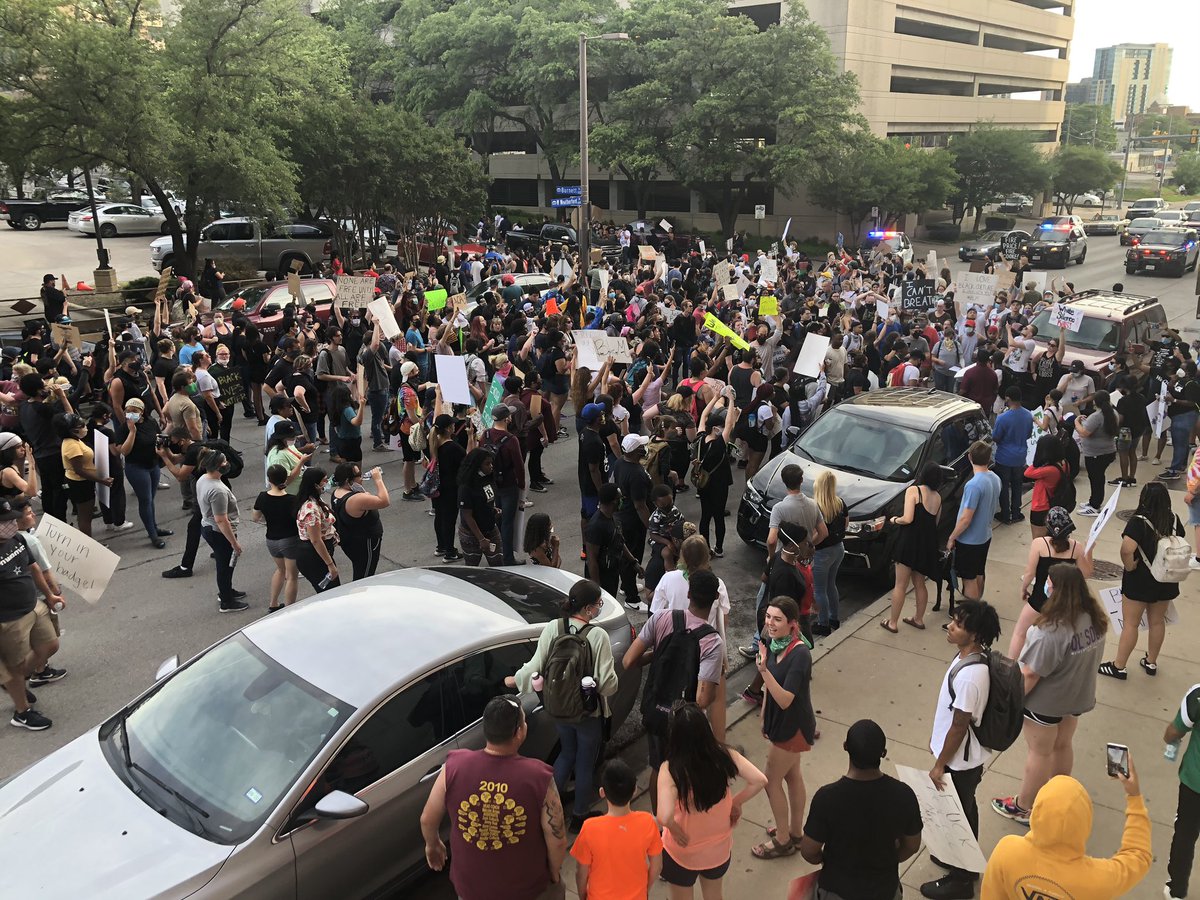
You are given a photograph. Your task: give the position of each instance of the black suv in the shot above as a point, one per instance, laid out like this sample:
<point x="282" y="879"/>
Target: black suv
<point x="1164" y="250"/>
<point x="1056" y="242"/>
<point x="875" y="444"/>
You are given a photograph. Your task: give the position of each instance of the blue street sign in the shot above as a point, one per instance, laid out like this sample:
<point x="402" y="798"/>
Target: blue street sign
<point x="568" y="190"/>
<point x="566" y="201"/>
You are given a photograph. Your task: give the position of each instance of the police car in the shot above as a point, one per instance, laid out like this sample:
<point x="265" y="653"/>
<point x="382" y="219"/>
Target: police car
<point x="895" y="242"/>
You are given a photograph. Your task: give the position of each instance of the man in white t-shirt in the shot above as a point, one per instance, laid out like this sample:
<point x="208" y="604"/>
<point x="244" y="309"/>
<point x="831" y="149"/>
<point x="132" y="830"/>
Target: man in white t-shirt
<point x="961" y="701"/>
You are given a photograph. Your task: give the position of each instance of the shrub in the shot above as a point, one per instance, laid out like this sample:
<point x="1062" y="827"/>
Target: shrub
<point x="943" y="231"/>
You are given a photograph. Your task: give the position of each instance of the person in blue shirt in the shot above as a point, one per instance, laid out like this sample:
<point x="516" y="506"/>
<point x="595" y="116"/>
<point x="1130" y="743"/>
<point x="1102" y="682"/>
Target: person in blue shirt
<point x="972" y="534"/>
<point x="1011" y="437"/>
<point x="415" y="342"/>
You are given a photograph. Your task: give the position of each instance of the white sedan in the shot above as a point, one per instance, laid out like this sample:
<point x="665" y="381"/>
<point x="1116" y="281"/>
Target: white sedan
<point x="118" y="218"/>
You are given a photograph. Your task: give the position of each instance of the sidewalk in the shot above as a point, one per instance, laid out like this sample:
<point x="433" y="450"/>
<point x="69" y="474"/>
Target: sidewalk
<point x="863" y="671"/>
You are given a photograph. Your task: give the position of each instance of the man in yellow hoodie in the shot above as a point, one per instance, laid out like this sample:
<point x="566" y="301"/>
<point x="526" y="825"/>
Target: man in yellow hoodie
<point x="1049" y="861"/>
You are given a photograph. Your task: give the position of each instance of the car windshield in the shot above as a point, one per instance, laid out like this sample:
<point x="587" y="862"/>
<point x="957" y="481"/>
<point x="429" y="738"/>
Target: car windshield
<point x="1052" y="234"/>
<point x="227" y="735"/>
<point x="1144" y="223"/>
<point x="1093" y="333"/>
<point x="842" y="440"/>
<point x="990" y="237"/>
<point x="252" y="296"/>
<point x="1170" y="238"/>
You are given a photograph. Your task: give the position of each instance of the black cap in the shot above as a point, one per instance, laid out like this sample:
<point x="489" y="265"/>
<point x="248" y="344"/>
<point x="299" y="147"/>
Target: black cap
<point x="866" y="744"/>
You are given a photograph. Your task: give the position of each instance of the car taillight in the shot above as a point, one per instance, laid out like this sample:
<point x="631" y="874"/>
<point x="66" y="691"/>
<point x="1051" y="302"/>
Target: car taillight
<point x="1135" y="241"/>
<point x="1162" y="252"/>
<point x="3" y="207"/>
<point x="86" y="218"/>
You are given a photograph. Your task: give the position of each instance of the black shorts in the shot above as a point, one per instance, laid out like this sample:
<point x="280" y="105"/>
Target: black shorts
<point x="1038" y="517"/>
<point x="81" y="491"/>
<point x="970" y="560"/>
<point x="674" y="873"/>
<point x="407" y="452"/>
<point x="1039" y="719"/>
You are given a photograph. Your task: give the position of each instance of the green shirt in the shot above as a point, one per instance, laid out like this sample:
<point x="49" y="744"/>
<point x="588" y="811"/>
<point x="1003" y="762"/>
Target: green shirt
<point x="1186" y="721"/>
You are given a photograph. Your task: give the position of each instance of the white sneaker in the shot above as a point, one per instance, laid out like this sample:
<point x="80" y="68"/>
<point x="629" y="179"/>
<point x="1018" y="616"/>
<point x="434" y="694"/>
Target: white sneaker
<point x="124" y="526"/>
<point x="164" y="485"/>
<point x="1194" y="563"/>
<point x="1085" y="510"/>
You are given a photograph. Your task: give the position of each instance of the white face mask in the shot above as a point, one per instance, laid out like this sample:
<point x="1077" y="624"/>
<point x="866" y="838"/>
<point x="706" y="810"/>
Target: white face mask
<point x="133" y="417"/>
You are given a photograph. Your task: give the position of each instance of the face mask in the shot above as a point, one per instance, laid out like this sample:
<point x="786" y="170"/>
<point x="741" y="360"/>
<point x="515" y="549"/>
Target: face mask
<point x="134" y="417"/>
<point x="222" y="360"/>
<point x="355" y="321"/>
<point x="193" y="387"/>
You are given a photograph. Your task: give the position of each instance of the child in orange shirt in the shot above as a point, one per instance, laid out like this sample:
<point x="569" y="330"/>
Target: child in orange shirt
<point x="619" y="855"/>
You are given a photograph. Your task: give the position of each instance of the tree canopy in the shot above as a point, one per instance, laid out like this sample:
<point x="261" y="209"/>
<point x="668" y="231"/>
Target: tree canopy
<point x="992" y="162"/>
<point x="1077" y="170"/>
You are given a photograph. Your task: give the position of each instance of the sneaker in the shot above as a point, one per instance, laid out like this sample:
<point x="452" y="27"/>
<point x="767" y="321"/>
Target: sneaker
<point x="452" y="554"/>
<point x="562" y="431"/>
<point x="950" y="887"/>
<point x="165" y="532"/>
<point x="124" y="526"/>
<point x="177" y="572"/>
<point x="1086" y="510"/>
<point x="1111" y="670"/>
<point x="1150" y="668"/>
<point x="31" y="720"/>
<point x="46" y="676"/>
<point x="822" y="630"/>
<point x="1194" y="563"/>
<point x="538" y="488"/>
<point x="1118" y="480"/>
<point x="1007" y="807"/>
<point x="751" y="697"/>
<point x="1169" y="475"/>
<point x="158" y="543"/>
<point x="1130" y="482"/>
<point x="1016" y="517"/>
<point x="164" y="485"/>
<point x="380" y="448"/>
<point x="545" y="481"/>
<point x="717" y="552"/>
<point x="749" y="652"/>
<point x="238" y="595"/>
<point x="414" y="494"/>
<point x="635" y="604"/>
<point x="232" y="606"/>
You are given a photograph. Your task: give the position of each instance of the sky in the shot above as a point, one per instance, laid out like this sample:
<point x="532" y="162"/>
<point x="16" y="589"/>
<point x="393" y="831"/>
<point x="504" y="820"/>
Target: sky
<point x="1102" y="23"/>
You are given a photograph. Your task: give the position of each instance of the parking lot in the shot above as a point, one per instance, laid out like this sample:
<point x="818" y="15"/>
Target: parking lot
<point x="28" y="255"/>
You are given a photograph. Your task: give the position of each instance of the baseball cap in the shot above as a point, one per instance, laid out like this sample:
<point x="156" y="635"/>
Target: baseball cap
<point x="1077" y="365"/>
<point x="132" y="311"/>
<point x="135" y="403"/>
<point x="631" y="443"/>
<point x="239" y="303"/>
<point x="1058" y="522"/>
<point x="443" y="421"/>
<point x="500" y="412"/>
<point x="507" y="279"/>
<point x="11" y="510"/>
<point x="591" y="412"/>
<point x="409" y="369"/>
<point x="866" y="744"/>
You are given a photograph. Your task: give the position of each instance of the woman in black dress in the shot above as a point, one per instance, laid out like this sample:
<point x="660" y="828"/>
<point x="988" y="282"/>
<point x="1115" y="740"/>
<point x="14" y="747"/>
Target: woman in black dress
<point x="713" y="467"/>
<point x="1140" y="593"/>
<point x="916" y="553"/>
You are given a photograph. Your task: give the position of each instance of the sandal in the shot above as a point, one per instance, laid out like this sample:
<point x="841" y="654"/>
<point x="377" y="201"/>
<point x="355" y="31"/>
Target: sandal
<point x="772" y="831"/>
<point x="1151" y="668"/>
<point x="886" y="627"/>
<point x="772" y="849"/>
<point x="920" y="626"/>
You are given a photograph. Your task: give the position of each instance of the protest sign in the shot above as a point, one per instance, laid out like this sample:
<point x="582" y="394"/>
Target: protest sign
<point x="647" y="253"/>
<point x="66" y="336"/>
<point x="703" y="251"/>
<point x="495" y="392"/>
<point x="1066" y="316"/>
<point x="768" y="305"/>
<point x="774" y="249"/>
<point x="1005" y="279"/>
<point x="1156" y="409"/>
<point x="102" y="464"/>
<point x="931" y="262"/>
<point x="563" y="268"/>
<point x="729" y="291"/>
<point x="918" y="295"/>
<point x="1034" y="281"/>
<point x="80" y="563"/>
<point x="1106" y="513"/>
<point x="881" y="310"/>
<point x="354" y="291"/>
<point x="435" y="298"/>
<point x="670" y="314"/>
<point x="1111" y="598"/>
<point x="946" y="832"/>
<point x="596" y="254"/>
<point x="381" y="309"/>
<point x="768" y="270"/>
<point x="712" y="323"/>
<point x="294" y="289"/>
<point x="605" y="278"/>
<point x="975" y="289"/>
<point x="452" y="378"/>
<point x="812" y="355"/>
<point x="721" y="272"/>
<point x="160" y="293"/>
<point x="729" y="245"/>
<point x="665" y="225"/>
<point x="108" y="324"/>
<point x="742" y="283"/>
<point x="786" y="229"/>
<point x="660" y="266"/>
<point x="586" y="355"/>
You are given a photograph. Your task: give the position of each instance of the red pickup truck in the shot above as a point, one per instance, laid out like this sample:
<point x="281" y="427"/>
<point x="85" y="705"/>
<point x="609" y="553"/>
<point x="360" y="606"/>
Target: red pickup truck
<point x="265" y="302"/>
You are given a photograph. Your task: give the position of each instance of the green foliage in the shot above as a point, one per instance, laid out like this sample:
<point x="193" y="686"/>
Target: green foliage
<point x="992" y="162"/>
<point x="1078" y="169"/>
<point x="1187" y="172"/>
<point x="1089" y="124"/>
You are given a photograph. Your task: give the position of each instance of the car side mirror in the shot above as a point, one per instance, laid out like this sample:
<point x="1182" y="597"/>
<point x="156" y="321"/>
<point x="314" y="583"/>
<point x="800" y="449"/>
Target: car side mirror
<point x="270" y="309"/>
<point x="340" y="805"/>
<point x="166" y="667"/>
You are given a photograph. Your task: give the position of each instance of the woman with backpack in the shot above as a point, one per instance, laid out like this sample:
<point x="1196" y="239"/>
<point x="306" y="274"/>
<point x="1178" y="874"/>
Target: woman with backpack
<point x="1052" y="485"/>
<point x="356" y="512"/>
<point x="569" y="651"/>
<point x="1150" y="528"/>
<point x="1047" y="550"/>
<point x="827" y="560"/>
<point x="1098" y="446"/>
<point x="696" y="808"/>
<point x="1057" y="664"/>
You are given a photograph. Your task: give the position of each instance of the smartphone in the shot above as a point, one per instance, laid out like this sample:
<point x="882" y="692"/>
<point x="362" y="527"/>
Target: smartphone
<point x="1118" y="760"/>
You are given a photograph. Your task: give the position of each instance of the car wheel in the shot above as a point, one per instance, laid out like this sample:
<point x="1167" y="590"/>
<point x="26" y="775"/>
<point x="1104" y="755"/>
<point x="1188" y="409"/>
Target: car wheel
<point x="1130" y="271"/>
<point x="31" y="221"/>
<point x="1082" y="257"/>
<point x="1182" y="270"/>
<point x="108" y="229"/>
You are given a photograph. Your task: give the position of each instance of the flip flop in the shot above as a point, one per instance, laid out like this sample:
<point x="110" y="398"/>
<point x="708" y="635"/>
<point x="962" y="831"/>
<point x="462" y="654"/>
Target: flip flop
<point x="920" y="626"/>
<point x="886" y="627"/>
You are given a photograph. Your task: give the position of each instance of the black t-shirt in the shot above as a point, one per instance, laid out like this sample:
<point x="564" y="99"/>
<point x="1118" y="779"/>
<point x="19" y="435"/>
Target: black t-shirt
<point x="450" y="455"/>
<point x="164" y="367"/>
<point x="1132" y="410"/>
<point x="592" y="452"/>
<point x="54" y="302"/>
<point x="859" y="823"/>
<point x="18" y="594"/>
<point x="142" y="453"/>
<point x="607" y="535"/>
<point x="793" y="673"/>
<point x="549" y="367"/>
<point x="634" y="482"/>
<point x="36" y="419"/>
<point x="279" y="513"/>
<point x="480" y="498"/>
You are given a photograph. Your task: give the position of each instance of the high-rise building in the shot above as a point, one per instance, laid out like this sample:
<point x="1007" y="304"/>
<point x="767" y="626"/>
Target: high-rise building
<point x="1130" y="78"/>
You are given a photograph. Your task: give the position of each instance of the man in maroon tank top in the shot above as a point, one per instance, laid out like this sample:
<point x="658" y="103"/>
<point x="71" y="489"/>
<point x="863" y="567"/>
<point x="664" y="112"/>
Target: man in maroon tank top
<point x="506" y="818"/>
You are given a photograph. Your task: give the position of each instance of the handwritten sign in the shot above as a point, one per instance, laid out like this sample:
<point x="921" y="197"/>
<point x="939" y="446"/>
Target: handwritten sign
<point x="1066" y="316"/>
<point x="768" y="305"/>
<point x="381" y="309"/>
<point x="768" y="270"/>
<point x="495" y="392"/>
<point x="1156" y="409"/>
<point x="712" y="323"/>
<point x="665" y="225"/>
<point x="354" y="291"/>
<point x="293" y="283"/>
<point x="66" y="336"/>
<point x="975" y="289"/>
<point x="946" y="831"/>
<point x="1111" y="598"/>
<point x="882" y="310"/>
<point x="160" y="293"/>
<point x="729" y="292"/>
<point x="1106" y="513"/>
<point x="1010" y="244"/>
<point x="594" y="347"/>
<point x="452" y="378"/>
<point x="812" y="355"/>
<point x="83" y="564"/>
<point x="647" y="253"/>
<point x="918" y="295"/>
<point x="721" y="273"/>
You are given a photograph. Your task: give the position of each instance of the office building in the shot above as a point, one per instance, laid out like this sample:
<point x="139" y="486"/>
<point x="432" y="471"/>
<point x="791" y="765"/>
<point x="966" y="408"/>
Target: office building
<point x="1130" y="78"/>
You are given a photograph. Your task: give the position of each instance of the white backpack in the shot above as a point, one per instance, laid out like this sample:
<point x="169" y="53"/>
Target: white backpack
<point x="1172" y="557"/>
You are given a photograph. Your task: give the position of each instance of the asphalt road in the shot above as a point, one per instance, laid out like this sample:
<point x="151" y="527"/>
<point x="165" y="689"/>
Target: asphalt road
<point x="28" y="255"/>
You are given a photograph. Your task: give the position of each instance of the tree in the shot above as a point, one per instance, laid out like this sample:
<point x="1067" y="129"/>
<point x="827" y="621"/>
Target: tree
<point x="1187" y="172"/>
<point x="1077" y="170"/>
<point x="1090" y="124"/>
<point x="990" y="163"/>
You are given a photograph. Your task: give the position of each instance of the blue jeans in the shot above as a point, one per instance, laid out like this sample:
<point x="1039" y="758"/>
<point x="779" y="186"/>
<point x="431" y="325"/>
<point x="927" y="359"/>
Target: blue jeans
<point x="1181" y="438"/>
<point x="580" y="750"/>
<point x="144" y="482"/>
<point x="1010" y="489"/>
<point x="378" y="401"/>
<point x="825" y="567"/>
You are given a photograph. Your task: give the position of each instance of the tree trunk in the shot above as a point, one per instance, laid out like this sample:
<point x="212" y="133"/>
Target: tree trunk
<point x="978" y="216"/>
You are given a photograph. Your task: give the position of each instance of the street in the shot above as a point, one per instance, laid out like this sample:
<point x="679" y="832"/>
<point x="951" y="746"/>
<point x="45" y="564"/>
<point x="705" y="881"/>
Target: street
<point x="28" y="255"/>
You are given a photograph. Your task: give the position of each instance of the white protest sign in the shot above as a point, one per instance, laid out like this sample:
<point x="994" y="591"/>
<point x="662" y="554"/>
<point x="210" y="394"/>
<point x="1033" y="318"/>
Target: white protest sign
<point x="1106" y="513"/>
<point x="975" y="289"/>
<point x="881" y="310"/>
<point x="100" y="446"/>
<point x="614" y="348"/>
<point x="660" y="267"/>
<point x="1111" y="598"/>
<point x="729" y="291"/>
<point x="83" y="564"/>
<point x="605" y="278"/>
<point x="946" y="832"/>
<point x="931" y="262"/>
<point x="812" y="355"/>
<point x="729" y="245"/>
<point x="586" y="356"/>
<point x="721" y="273"/>
<point x="742" y="283"/>
<point x="452" y="378"/>
<point x="670" y="314"/>
<point x="786" y="229"/>
<point x="703" y="251"/>
<point x="1034" y="280"/>
<point x="768" y="270"/>
<point x="1156" y="409"/>
<point x="1066" y="315"/>
<point x="355" y="291"/>
<point x="381" y="309"/>
<point x="563" y="268"/>
<point x="108" y="324"/>
<point x="665" y="225"/>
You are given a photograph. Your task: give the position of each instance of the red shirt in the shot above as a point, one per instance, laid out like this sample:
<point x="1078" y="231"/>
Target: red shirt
<point x="981" y="385"/>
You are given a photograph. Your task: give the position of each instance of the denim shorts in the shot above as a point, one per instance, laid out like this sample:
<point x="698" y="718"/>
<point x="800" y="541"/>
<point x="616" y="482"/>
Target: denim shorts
<point x="1194" y="512"/>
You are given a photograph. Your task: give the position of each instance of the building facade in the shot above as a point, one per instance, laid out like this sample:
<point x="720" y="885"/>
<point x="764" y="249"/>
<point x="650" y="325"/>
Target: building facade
<point x="1129" y="79"/>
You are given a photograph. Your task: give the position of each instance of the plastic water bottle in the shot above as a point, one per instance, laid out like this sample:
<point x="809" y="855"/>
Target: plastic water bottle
<point x="539" y="683"/>
<point x="1170" y="751"/>
<point x="58" y="606"/>
<point x="325" y="582"/>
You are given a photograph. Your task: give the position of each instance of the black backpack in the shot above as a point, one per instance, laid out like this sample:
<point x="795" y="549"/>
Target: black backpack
<point x="232" y="456"/>
<point x="1002" y="719"/>
<point x="1064" y="492"/>
<point x="674" y="672"/>
<point x="493" y="447"/>
<point x="569" y="661"/>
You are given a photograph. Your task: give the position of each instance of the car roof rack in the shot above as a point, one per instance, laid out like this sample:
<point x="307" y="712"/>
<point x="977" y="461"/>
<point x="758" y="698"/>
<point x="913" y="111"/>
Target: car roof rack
<point x="1136" y="301"/>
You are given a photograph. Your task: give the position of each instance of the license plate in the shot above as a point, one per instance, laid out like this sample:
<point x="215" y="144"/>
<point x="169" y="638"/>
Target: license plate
<point x="1150" y="267"/>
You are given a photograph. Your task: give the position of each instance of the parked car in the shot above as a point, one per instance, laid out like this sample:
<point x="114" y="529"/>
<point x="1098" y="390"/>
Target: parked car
<point x="1147" y="206"/>
<point x="151" y="203"/>
<point x="30" y="215"/>
<point x="1106" y="223"/>
<point x="1139" y="227"/>
<point x="1171" y="250"/>
<point x="1057" y="241"/>
<point x="267" y="767"/>
<point x="1193" y="219"/>
<point x="1171" y="216"/>
<point x="1015" y="203"/>
<point x="269" y="248"/>
<point x="116" y="219"/>
<point x="875" y="443"/>
<point x="265" y="303"/>
<point x="989" y="245"/>
<point x="549" y="233"/>
<point x="1111" y="322"/>
<point x="538" y="281"/>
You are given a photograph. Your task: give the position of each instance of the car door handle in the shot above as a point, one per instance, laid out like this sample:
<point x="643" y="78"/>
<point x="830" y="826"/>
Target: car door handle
<point x="432" y="773"/>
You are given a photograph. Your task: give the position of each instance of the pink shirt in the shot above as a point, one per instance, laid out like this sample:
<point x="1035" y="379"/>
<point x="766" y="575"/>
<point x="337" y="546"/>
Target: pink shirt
<point x="710" y="836"/>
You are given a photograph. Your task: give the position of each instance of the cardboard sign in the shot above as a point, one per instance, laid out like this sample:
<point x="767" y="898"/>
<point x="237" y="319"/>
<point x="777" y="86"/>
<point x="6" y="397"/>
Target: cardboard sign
<point x="381" y="309"/>
<point x="812" y="355"/>
<point x="592" y="348"/>
<point x="66" y="336"/>
<point x="297" y="265"/>
<point x="293" y="283"/>
<point x="453" y="302"/>
<point x="768" y="270"/>
<point x="1111" y="598"/>
<point x="355" y="292"/>
<point x="1005" y="279"/>
<point x="712" y="323"/>
<point x="946" y="832"/>
<point x="978" y="265"/>
<point x="160" y="293"/>
<point x="729" y="292"/>
<point x="918" y="295"/>
<point x="1066" y="315"/>
<point x="975" y="289"/>
<point x="452" y="378"/>
<point x="1106" y="513"/>
<point x="595" y="255"/>
<point x="647" y="253"/>
<point x="80" y="563"/>
<point x="721" y="273"/>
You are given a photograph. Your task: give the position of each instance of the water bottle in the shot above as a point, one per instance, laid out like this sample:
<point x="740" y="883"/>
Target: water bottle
<point x="588" y="683"/>
<point x="58" y="606"/>
<point x="539" y="683"/>
<point x="1171" y="751"/>
<point x="325" y="582"/>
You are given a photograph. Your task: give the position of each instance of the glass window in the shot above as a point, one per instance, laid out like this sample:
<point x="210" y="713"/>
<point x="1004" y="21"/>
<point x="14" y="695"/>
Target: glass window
<point x="535" y="602"/>
<point x="479" y="678"/>
<point x="1093" y="333"/>
<point x="228" y="735"/>
<point x="863" y="446"/>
